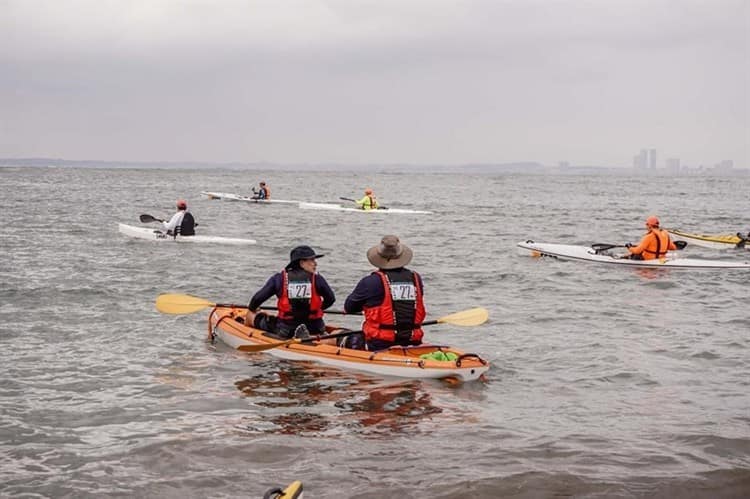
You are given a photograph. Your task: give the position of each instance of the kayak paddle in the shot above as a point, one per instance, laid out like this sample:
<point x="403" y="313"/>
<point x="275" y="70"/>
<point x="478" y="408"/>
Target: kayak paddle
<point x="470" y="317"/>
<point x="148" y="219"/>
<point x="169" y="303"/>
<point x="599" y="247"/>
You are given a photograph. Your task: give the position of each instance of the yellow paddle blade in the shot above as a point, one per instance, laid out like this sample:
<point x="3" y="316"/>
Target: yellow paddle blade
<point x="267" y="346"/>
<point x="471" y="317"/>
<point x="180" y="304"/>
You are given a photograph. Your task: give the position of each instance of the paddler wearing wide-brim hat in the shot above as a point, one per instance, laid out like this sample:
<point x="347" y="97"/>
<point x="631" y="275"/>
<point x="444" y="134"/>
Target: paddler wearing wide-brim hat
<point x="390" y="298"/>
<point x="390" y="254"/>
<point x="302" y="296"/>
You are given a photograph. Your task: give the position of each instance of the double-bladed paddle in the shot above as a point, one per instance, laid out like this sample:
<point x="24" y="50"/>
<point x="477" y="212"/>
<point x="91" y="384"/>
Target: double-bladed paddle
<point x="179" y="304"/>
<point x="470" y="317"/>
<point x="599" y="247"/>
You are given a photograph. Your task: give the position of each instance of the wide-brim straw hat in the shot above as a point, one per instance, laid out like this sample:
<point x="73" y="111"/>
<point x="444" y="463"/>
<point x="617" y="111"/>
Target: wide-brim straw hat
<point x="390" y="254"/>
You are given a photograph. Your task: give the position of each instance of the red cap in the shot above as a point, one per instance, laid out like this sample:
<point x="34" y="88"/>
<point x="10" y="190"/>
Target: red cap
<point x="182" y="204"/>
<point x="652" y="221"/>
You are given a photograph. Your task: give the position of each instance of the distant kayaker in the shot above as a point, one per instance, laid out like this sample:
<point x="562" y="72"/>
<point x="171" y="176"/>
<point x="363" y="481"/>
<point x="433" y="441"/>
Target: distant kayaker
<point x="182" y="223"/>
<point x="654" y="244"/>
<point x="263" y="192"/>
<point x="369" y="201"/>
<point x="302" y="296"/>
<point x="390" y="297"/>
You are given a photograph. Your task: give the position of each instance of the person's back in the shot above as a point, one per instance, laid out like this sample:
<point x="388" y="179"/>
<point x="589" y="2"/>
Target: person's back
<point x="369" y="201"/>
<point x="182" y="222"/>
<point x="187" y="225"/>
<point x="263" y="193"/>
<point x="654" y="244"/>
<point x="302" y="296"/>
<point x="391" y="298"/>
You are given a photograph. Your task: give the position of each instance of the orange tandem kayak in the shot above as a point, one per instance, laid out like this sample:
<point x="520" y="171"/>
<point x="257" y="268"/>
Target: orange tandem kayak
<point x="227" y="324"/>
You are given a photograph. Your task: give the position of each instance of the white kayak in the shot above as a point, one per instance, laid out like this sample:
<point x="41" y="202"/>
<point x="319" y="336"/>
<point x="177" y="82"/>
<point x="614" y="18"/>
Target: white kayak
<point x="588" y="254"/>
<point x="713" y="241"/>
<point x="228" y="196"/>
<point x="338" y="207"/>
<point x="159" y="235"/>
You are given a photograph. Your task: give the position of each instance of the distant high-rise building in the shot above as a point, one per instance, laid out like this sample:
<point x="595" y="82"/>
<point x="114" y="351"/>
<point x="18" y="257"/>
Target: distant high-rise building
<point x="563" y="164"/>
<point x="673" y="165"/>
<point x="652" y="159"/>
<point x="640" y="160"/>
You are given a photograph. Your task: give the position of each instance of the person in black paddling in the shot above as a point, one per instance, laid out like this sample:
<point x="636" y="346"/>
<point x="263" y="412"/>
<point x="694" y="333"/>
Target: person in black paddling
<point x="182" y="223"/>
<point x="263" y="193"/>
<point x="302" y="296"/>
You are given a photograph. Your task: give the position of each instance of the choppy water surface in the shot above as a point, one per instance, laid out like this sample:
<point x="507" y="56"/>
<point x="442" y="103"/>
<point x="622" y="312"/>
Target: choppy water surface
<point x="604" y="382"/>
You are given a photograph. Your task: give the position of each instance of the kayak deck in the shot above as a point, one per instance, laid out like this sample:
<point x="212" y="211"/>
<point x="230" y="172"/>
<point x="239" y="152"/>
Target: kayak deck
<point x="588" y="254"/>
<point x="159" y="235"/>
<point x="338" y="207"/>
<point x="223" y="323"/>
<point x="713" y="241"/>
<point x="228" y="196"/>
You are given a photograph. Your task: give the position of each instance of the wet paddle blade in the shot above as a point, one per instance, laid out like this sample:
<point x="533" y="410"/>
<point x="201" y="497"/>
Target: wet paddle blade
<point x="148" y="219"/>
<point x="471" y="317"/>
<point x="180" y="304"/>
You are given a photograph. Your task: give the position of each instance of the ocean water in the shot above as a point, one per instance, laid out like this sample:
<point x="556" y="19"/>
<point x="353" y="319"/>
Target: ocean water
<point x="605" y="382"/>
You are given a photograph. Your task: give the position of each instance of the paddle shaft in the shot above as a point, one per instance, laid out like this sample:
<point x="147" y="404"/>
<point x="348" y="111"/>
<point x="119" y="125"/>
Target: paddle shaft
<point x="336" y="312"/>
<point x="260" y="348"/>
<point x="271" y="307"/>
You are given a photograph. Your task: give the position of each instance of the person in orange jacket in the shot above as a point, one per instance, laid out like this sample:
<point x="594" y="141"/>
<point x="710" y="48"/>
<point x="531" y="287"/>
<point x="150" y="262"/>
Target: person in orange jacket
<point x="654" y="244"/>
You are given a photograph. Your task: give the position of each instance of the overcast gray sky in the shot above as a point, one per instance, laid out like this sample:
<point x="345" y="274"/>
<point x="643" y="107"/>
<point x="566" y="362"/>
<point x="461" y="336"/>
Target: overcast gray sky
<point x="377" y="81"/>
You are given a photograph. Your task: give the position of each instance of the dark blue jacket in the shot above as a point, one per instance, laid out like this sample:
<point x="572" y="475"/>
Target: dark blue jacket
<point x="274" y="287"/>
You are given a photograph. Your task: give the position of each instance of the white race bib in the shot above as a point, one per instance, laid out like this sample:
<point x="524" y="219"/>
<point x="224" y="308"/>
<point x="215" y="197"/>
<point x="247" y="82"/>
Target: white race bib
<point x="403" y="291"/>
<point x="300" y="290"/>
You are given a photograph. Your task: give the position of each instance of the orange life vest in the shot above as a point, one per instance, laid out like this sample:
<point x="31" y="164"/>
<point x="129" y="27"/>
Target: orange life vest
<point x="398" y="318"/>
<point x="299" y="300"/>
<point x="657" y="245"/>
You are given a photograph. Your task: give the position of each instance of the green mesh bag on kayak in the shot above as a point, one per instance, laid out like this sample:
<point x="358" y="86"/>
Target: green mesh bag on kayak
<point x="440" y="356"/>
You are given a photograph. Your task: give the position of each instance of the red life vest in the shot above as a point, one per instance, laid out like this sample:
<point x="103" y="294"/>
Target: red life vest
<point x="299" y="298"/>
<point x="402" y="309"/>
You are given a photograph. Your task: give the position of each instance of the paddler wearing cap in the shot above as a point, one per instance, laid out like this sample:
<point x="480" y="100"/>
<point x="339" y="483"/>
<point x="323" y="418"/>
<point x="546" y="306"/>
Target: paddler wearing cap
<point x="391" y="298"/>
<point x="369" y="201"/>
<point x="301" y="297"/>
<point x="654" y="244"/>
<point x="182" y="222"/>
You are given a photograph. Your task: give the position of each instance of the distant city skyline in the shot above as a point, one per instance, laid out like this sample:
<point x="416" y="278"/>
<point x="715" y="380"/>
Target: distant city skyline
<point x="647" y="159"/>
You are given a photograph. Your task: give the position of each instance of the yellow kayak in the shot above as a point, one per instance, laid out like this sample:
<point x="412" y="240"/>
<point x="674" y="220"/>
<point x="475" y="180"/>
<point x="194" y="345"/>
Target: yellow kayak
<point x="293" y="491"/>
<point x="714" y="241"/>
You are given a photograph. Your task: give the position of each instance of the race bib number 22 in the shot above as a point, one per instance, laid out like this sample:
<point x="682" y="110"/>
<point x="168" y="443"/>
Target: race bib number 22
<point x="300" y="290"/>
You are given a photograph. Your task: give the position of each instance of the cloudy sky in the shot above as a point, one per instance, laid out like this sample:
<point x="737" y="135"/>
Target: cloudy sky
<point x="376" y="81"/>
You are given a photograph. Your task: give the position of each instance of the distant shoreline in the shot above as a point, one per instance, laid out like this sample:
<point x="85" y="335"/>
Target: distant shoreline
<point x="526" y="167"/>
